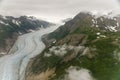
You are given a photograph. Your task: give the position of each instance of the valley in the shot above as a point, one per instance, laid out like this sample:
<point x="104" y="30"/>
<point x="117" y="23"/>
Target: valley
<point x="13" y="65"/>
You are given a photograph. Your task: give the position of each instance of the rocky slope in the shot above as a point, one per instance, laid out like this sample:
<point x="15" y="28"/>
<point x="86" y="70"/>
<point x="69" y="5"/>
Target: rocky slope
<point x="11" y="28"/>
<point x="85" y="48"/>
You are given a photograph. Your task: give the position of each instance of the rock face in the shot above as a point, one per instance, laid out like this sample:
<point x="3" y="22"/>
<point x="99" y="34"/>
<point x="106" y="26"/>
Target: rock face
<point x="88" y="43"/>
<point x="11" y="28"/>
<point x="84" y="22"/>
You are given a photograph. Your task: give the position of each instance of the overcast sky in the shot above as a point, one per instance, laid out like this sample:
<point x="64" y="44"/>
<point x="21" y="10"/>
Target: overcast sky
<point x="55" y="10"/>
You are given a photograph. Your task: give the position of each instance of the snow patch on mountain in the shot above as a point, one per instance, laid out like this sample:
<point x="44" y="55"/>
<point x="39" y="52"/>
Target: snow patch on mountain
<point x="112" y="28"/>
<point x="2" y="22"/>
<point x="2" y="53"/>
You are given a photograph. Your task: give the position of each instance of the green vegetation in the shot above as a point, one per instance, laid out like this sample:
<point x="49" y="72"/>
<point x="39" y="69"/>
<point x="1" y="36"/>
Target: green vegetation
<point x="103" y="63"/>
<point x="45" y="63"/>
<point x="60" y="33"/>
<point x="104" y="66"/>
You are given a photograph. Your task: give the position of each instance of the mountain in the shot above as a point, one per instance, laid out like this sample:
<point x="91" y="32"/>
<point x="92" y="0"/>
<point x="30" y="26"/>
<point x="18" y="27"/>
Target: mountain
<point x="84" y="22"/>
<point x="11" y="28"/>
<point x="86" y="47"/>
<point x="66" y="20"/>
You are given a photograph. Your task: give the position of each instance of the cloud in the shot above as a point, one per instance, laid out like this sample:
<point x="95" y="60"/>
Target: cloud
<point x="54" y="8"/>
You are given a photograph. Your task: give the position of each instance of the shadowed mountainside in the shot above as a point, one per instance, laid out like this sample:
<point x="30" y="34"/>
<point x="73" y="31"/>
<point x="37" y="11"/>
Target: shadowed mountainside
<point x="11" y="28"/>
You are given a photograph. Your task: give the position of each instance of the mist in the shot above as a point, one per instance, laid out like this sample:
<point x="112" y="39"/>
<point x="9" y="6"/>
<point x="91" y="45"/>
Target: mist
<point x="55" y="10"/>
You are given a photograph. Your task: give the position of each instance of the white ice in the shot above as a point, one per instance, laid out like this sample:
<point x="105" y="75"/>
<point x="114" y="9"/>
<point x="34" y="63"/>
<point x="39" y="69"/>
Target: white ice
<point x="13" y="65"/>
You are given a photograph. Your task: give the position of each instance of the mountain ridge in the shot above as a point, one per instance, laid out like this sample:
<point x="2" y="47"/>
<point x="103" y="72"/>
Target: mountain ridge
<point x="86" y="20"/>
<point x="82" y="46"/>
<point x="12" y="27"/>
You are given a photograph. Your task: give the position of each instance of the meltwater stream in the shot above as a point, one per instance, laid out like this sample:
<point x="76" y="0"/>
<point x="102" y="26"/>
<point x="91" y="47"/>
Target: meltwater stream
<point x="13" y="66"/>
